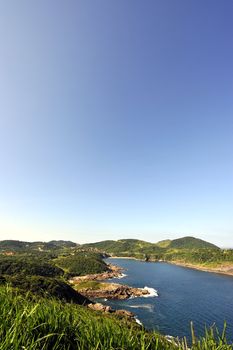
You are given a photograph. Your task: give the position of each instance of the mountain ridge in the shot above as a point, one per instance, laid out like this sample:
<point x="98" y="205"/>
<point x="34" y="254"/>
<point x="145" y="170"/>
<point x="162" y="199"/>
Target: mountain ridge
<point x="187" y="242"/>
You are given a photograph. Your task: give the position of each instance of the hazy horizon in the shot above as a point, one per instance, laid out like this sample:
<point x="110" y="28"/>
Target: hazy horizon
<point x="116" y="120"/>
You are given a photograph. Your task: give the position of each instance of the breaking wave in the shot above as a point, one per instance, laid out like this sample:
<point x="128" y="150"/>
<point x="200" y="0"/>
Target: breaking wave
<point x="138" y="321"/>
<point x="152" y="292"/>
<point x="121" y="276"/>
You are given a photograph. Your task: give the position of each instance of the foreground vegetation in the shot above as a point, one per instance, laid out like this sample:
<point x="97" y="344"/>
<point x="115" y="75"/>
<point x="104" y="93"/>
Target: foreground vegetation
<point x="45" y="324"/>
<point x="39" y="286"/>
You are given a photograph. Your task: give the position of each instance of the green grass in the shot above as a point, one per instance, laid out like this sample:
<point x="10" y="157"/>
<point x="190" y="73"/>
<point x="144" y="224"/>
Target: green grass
<point x="52" y="325"/>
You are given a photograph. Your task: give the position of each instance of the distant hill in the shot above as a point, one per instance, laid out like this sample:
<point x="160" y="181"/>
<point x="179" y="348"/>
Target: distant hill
<point x="125" y="247"/>
<point x="14" y="245"/>
<point x="121" y="244"/>
<point x="143" y="249"/>
<point x="189" y="243"/>
<point x="62" y="243"/>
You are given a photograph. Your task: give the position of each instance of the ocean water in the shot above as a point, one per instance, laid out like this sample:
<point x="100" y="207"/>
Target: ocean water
<point x="184" y="295"/>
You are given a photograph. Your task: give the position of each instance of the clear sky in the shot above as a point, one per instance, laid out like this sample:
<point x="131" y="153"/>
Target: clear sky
<point x="116" y="119"/>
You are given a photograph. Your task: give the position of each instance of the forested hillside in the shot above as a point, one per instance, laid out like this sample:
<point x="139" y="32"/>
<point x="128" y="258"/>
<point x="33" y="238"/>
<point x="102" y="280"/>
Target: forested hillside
<point x="187" y="250"/>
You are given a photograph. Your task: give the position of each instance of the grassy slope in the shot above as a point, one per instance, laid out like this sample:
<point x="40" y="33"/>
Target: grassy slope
<point x="51" y="324"/>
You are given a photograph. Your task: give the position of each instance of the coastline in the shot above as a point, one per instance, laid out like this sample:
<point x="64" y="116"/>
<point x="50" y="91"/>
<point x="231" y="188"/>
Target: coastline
<point x="113" y="272"/>
<point x="95" y="286"/>
<point x="124" y="257"/>
<point x="221" y="269"/>
<point x="113" y="291"/>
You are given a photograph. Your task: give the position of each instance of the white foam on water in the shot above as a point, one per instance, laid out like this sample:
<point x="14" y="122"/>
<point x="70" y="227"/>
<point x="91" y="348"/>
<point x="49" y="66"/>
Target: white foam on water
<point x="134" y="306"/>
<point x="145" y="306"/>
<point x="123" y="275"/>
<point x="152" y="292"/>
<point x="138" y="321"/>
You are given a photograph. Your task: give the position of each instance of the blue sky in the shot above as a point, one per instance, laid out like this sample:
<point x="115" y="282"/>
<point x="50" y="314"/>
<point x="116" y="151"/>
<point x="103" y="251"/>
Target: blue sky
<point x="116" y="120"/>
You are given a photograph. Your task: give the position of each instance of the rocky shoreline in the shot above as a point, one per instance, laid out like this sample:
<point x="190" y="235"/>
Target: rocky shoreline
<point x="221" y="269"/>
<point x="106" y="289"/>
<point x="107" y="309"/>
<point x="113" y="291"/>
<point x="224" y="269"/>
<point x="114" y="272"/>
<point x="94" y="286"/>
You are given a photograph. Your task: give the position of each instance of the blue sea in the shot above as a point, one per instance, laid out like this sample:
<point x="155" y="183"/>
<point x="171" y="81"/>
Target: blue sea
<point x="184" y="295"/>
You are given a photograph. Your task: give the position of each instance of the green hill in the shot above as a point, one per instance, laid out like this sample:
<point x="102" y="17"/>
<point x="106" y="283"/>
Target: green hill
<point x="121" y="246"/>
<point x="190" y="243"/>
<point x="134" y="246"/>
<point x="186" y="249"/>
<point x="126" y="247"/>
<point x="76" y="259"/>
